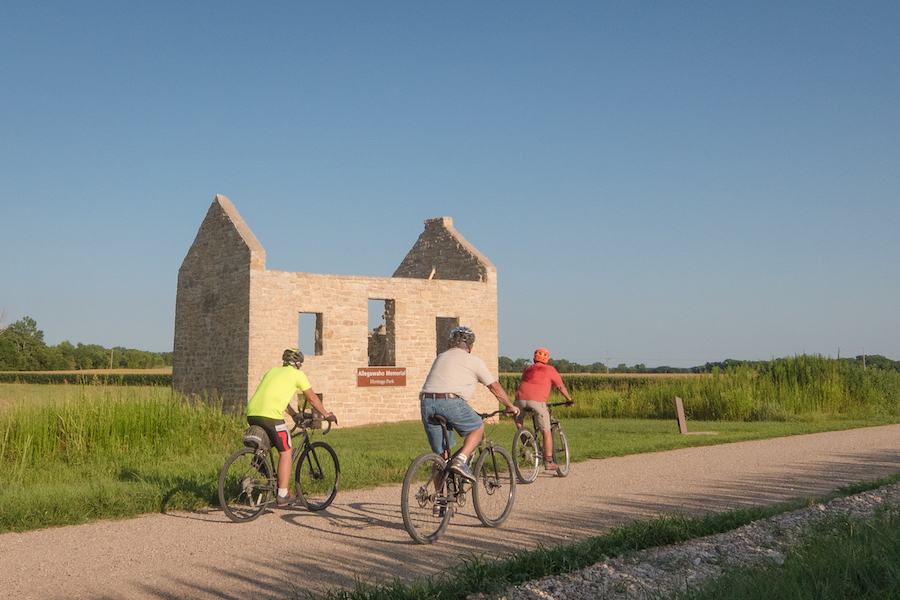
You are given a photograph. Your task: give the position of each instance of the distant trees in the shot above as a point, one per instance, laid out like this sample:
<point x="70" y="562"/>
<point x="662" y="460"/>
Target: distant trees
<point x="22" y="348"/>
<point x="507" y="365"/>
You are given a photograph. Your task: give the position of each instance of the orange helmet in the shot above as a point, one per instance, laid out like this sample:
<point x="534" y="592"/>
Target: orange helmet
<point x="541" y="355"/>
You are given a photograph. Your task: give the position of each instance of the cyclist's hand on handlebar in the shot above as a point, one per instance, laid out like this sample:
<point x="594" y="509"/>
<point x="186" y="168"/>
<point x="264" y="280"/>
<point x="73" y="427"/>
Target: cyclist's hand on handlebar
<point x="330" y="417"/>
<point x="570" y="403"/>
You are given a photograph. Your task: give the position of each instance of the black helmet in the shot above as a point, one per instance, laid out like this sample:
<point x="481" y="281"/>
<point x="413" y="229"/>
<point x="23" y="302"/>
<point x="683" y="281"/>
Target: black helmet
<point x="462" y="337"/>
<point x="292" y="357"/>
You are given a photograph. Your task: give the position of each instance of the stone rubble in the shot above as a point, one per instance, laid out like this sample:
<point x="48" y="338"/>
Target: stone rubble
<point x="659" y="572"/>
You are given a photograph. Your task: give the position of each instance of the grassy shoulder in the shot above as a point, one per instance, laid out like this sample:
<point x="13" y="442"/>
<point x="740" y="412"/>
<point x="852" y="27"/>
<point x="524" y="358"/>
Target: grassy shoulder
<point x="838" y="568"/>
<point x="840" y="558"/>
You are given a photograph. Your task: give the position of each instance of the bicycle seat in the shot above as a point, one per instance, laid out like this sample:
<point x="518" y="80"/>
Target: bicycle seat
<point x="438" y="420"/>
<point x="256" y="437"/>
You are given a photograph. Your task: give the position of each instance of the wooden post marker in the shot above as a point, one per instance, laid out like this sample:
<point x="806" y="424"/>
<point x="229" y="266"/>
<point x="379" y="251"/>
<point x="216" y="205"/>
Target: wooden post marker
<point x="682" y="422"/>
<point x="679" y="411"/>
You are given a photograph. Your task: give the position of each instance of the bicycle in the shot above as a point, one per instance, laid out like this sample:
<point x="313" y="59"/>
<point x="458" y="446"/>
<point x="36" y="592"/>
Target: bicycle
<point x="247" y="484"/>
<point x="528" y="449"/>
<point x="432" y="492"/>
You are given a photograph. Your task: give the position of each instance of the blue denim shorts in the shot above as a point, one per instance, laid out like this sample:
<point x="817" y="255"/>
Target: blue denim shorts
<point x="460" y="416"/>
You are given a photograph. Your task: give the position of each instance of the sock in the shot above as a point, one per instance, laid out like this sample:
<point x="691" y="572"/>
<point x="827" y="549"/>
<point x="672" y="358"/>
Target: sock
<point x="461" y="458"/>
<point x="282" y="492"/>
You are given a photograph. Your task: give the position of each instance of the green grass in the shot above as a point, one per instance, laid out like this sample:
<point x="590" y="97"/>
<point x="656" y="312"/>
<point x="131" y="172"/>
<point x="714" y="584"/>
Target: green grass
<point x="75" y="454"/>
<point x="840" y="558"/>
<point x="474" y="574"/>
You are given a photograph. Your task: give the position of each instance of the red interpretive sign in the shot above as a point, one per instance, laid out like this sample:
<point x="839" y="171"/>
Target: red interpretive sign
<point x="381" y="376"/>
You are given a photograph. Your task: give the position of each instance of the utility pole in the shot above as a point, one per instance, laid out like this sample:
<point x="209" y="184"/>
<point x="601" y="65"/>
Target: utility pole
<point x="607" y="363"/>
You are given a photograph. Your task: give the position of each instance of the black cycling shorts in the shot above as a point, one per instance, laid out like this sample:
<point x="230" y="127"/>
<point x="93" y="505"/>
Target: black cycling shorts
<point x="277" y="429"/>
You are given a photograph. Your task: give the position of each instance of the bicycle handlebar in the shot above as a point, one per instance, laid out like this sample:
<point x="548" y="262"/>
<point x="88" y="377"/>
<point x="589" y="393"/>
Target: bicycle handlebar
<point x="306" y="419"/>
<point x="489" y="415"/>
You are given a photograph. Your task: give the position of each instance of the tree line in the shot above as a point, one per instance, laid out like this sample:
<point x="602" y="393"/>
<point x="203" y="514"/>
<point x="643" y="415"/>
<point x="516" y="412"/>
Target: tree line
<point x="507" y="365"/>
<point x="22" y="348"/>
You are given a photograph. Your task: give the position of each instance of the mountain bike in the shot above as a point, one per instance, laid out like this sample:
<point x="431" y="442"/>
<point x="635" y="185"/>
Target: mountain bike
<point x="528" y="449"/>
<point x="432" y="492"/>
<point x="247" y="483"/>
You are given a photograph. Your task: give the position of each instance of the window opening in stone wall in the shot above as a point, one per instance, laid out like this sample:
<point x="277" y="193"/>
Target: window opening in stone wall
<point x="381" y="333"/>
<point x="309" y="334"/>
<point x="442" y="328"/>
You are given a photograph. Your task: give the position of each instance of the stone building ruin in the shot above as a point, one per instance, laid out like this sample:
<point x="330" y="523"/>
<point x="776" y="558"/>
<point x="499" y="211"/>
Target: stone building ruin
<point x="233" y="319"/>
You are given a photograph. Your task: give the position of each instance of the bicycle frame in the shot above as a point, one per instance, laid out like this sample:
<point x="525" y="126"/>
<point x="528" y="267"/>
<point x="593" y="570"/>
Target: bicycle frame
<point x="528" y="446"/>
<point x="251" y="481"/>
<point x="430" y="497"/>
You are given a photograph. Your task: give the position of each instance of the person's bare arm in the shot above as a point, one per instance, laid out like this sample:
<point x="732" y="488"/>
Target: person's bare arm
<point x="565" y="393"/>
<point x="498" y="391"/>
<point x="317" y="404"/>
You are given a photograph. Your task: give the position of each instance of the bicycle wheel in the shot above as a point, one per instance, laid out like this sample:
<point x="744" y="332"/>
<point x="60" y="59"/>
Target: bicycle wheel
<point x="560" y="450"/>
<point x="527" y="453"/>
<point x="246" y="485"/>
<point x="318" y="476"/>
<point x="494" y="490"/>
<point x="423" y="502"/>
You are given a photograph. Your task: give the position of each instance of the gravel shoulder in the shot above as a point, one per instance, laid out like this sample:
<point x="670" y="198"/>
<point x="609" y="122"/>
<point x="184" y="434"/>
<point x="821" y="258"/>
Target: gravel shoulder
<point x="660" y="572"/>
<point x="203" y="555"/>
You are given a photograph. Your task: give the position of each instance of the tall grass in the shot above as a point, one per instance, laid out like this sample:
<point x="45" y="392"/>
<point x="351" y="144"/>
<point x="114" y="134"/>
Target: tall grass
<point x="76" y="422"/>
<point x="802" y="387"/>
<point x="79" y="453"/>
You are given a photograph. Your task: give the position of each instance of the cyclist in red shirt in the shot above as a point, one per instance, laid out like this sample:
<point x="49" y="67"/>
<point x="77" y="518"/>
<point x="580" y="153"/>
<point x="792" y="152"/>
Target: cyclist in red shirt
<point x="533" y="392"/>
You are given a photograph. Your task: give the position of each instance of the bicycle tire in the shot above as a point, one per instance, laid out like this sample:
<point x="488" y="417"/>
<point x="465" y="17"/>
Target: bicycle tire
<point x="318" y="476"/>
<point x="494" y="490"/>
<point x="560" y="450"/>
<point x="527" y="454"/>
<point x="246" y="485"/>
<point x="423" y="518"/>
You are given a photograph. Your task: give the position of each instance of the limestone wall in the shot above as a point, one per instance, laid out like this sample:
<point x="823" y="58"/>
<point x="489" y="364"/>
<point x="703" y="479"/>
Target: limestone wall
<point x="228" y="300"/>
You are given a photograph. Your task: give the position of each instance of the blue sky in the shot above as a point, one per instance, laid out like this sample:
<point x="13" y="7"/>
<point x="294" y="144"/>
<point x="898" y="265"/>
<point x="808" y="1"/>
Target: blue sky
<point x="656" y="183"/>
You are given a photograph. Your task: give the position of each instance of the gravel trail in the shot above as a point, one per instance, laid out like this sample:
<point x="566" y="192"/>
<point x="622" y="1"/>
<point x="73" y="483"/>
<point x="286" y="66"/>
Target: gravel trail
<point x="203" y="555"/>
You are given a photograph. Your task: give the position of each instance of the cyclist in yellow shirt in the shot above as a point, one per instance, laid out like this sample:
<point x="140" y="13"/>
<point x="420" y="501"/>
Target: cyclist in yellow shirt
<point x="267" y="406"/>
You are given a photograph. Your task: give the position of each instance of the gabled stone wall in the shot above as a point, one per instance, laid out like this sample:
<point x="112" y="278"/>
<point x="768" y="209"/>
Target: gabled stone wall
<point x="234" y="318"/>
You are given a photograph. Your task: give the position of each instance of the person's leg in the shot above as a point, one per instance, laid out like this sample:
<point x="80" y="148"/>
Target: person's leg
<point x="520" y="404"/>
<point x="548" y="445"/>
<point x="280" y="438"/>
<point x="284" y="470"/>
<point x="283" y="496"/>
<point x="542" y="423"/>
<point x="433" y="432"/>
<point x="472" y="440"/>
<point x="467" y="422"/>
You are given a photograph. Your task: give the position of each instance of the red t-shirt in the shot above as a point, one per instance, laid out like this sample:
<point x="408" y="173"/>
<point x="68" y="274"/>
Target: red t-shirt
<point x="536" y="381"/>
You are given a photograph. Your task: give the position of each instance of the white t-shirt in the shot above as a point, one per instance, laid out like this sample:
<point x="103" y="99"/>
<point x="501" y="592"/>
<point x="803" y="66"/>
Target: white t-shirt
<point x="456" y="371"/>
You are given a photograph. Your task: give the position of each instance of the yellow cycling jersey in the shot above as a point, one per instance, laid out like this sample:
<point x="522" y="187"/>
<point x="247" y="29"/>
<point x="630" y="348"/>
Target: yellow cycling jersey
<point x="274" y="392"/>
